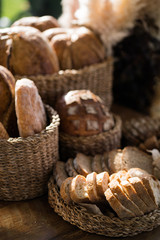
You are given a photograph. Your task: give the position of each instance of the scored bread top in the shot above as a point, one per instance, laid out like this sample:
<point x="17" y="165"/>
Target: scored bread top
<point x="30" y="111"/>
<point x="82" y="164"/>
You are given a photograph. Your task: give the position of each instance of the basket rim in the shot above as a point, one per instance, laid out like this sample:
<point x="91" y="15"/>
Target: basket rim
<point x="89" y="68"/>
<point x="54" y="122"/>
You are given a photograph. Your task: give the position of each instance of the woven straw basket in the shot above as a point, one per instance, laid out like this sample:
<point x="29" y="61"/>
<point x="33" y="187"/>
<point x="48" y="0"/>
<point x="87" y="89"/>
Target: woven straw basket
<point x="90" y="145"/>
<point x="27" y="163"/>
<point x="96" y="78"/>
<point x="136" y="131"/>
<point x="100" y="224"/>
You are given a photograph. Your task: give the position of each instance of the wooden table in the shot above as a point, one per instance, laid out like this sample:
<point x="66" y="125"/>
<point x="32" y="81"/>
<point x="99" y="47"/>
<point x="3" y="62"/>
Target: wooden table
<point x="36" y="220"/>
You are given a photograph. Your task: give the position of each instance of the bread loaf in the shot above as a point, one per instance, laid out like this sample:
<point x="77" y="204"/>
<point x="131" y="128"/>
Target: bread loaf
<point x="77" y="48"/>
<point x="26" y="51"/>
<point x="82" y="113"/>
<point x="41" y="23"/>
<point x="3" y="132"/>
<point x="31" y="115"/>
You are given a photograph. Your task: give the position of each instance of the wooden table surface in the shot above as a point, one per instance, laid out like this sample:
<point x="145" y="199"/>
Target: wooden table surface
<point x="36" y="220"/>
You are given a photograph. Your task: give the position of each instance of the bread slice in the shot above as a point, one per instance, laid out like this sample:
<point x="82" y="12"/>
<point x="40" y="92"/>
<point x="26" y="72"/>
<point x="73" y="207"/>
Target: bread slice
<point x="70" y="168"/>
<point x="78" y="190"/>
<point x="59" y="173"/>
<point x="132" y="157"/>
<point x="150" y="182"/>
<point x="117" y="190"/>
<point x="115" y="160"/>
<point x="102" y="183"/>
<point x="119" y="176"/>
<point x="121" y="211"/>
<point x="92" y="187"/>
<point x="82" y="164"/>
<point x="104" y="161"/>
<point x="142" y="192"/>
<point x="133" y="196"/>
<point x="64" y="190"/>
<point x="97" y="164"/>
<point x="91" y="208"/>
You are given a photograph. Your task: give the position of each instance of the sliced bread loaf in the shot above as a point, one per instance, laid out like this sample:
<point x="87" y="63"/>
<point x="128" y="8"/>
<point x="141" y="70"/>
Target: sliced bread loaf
<point x="70" y="168"/>
<point x="78" y="190"/>
<point x="117" y="190"/>
<point x="105" y="162"/>
<point x="64" y="190"/>
<point x="115" y="160"/>
<point x="102" y="183"/>
<point x="133" y="157"/>
<point x="92" y="187"/>
<point x="115" y="204"/>
<point x="82" y="164"/>
<point x="142" y="192"/>
<point x="59" y="173"/>
<point x="97" y="163"/>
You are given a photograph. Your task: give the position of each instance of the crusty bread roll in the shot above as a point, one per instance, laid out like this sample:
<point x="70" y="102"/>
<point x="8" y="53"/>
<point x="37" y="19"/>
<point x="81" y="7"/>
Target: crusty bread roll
<point x="83" y="113"/>
<point x="31" y="115"/>
<point x="77" y="48"/>
<point x="41" y="23"/>
<point x="26" y="51"/>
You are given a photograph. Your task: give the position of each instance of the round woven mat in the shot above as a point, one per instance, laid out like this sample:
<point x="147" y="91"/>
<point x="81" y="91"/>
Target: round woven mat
<point x="96" y="78"/>
<point x="27" y="163"/>
<point x="100" y="224"/>
<point x="91" y="145"/>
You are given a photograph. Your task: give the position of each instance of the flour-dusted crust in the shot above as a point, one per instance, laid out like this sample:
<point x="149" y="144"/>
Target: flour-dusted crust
<point x="30" y="111"/>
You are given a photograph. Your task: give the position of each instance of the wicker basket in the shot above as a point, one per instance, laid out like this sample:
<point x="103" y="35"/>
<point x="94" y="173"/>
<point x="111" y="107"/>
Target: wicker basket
<point x="90" y="145"/>
<point x="27" y="163"/>
<point x="100" y="224"/>
<point x="137" y="130"/>
<point x="96" y="78"/>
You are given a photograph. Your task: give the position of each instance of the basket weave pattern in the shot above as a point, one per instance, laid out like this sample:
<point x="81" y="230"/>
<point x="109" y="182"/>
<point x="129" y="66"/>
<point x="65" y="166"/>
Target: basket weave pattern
<point x="96" y="78"/>
<point x="91" y="145"/>
<point x="100" y="224"/>
<point x="26" y="163"/>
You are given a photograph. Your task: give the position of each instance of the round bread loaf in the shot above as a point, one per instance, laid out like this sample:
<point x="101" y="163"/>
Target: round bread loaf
<point x="82" y="113"/>
<point x="26" y="51"/>
<point x="77" y="48"/>
<point x="41" y="23"/>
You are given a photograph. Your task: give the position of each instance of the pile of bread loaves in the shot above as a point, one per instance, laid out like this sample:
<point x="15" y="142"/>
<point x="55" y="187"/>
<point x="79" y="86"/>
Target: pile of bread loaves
<point x="120" y="181"/>
<point x="22" y="112"/>
<point x="38" y="45"/>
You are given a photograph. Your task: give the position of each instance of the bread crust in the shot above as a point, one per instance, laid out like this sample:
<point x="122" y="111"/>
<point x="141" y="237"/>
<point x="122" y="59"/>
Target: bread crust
<point x="59" y="173"/>
<point x="3" y="132"/>
<point x="97" y="164"/>
<point x="82" y="164"/>
<point x="102" y="183"/>
<point x="64" y="190"/>
<point x="92" y="187"/>
<point x="70" y="168"/>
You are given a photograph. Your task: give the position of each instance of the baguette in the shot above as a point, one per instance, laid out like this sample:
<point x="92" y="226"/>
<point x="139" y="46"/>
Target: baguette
<point x="102" y="183"/>
<point x="70" y="168"/>
<point x="59" y="173"/>
<point x="97" y="164"/>
<point x="64" y="190"/>
<point x="92" y="188"/>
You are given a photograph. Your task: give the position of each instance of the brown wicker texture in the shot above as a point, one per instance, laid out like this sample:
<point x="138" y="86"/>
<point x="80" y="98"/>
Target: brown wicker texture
<point x="136" y="131"/>
<point x="90" y="145"/>
<point x="100" y="224"/>
<point x="27" y="163"/>
<point x="96" y="78"/>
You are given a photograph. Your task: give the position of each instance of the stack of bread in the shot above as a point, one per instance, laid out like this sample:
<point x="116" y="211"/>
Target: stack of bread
<point x="87" y="125"/>
<point x="114" y="183"/>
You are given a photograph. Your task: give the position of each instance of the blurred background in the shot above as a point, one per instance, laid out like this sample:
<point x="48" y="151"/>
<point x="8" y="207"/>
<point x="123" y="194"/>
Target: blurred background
<point x="11" y="10"/>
